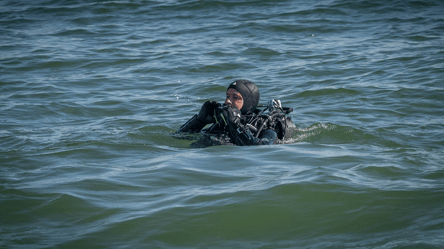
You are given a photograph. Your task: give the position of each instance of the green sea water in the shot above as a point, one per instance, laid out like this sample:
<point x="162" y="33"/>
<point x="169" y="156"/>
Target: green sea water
<point x="91" y="93"/>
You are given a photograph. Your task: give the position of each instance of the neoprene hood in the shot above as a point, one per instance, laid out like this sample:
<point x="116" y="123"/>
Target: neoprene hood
<point x="249" y="92"/>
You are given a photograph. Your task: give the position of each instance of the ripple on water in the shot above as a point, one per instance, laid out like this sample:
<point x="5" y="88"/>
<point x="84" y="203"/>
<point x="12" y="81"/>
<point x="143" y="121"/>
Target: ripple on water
<point x="91" y="94"/>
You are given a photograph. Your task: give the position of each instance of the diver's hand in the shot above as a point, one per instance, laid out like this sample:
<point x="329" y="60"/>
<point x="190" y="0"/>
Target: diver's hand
<point x="227" y="115"/>
<point x="206" y="113"/>
<point x="231" y="114"/>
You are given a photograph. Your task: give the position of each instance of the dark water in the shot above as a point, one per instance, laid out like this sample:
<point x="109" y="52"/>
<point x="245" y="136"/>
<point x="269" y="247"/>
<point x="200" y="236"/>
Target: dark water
<point x="90" y="93"/>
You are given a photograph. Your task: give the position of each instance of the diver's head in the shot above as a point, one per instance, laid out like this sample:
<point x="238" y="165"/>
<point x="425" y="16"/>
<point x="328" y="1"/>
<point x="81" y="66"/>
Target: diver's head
<point x="244" y="95"/>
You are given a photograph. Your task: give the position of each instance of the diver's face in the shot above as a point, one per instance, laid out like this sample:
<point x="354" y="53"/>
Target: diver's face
<point x="234" y="98"/>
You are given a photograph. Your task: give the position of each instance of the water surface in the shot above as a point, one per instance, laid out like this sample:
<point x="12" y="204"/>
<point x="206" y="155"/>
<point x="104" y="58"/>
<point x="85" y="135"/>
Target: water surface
<point x="91" y="93"/>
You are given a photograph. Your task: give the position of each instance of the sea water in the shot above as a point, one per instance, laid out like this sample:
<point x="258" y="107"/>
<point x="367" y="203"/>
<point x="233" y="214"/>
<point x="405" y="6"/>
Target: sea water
<point x="91" y="93"/>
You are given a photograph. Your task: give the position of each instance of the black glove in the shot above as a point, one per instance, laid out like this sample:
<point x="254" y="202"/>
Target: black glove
<point x="236" y="130"/>
<point x="227" y="115"/>
<point x="206" y="113"/>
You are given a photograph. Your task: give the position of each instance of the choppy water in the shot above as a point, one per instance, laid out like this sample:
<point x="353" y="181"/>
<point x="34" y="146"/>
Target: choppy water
<point x="90" y="93"/>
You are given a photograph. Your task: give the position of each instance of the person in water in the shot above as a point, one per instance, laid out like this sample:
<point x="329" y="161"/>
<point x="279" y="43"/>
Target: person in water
<point x="239" y="117"/>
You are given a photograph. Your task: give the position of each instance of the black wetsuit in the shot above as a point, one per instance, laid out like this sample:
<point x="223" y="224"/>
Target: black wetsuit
<point x="252" y="129"/>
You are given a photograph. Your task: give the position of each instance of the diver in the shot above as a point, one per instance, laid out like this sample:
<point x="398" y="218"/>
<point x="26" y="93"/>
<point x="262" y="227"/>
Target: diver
<point x="239" y="119"/>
